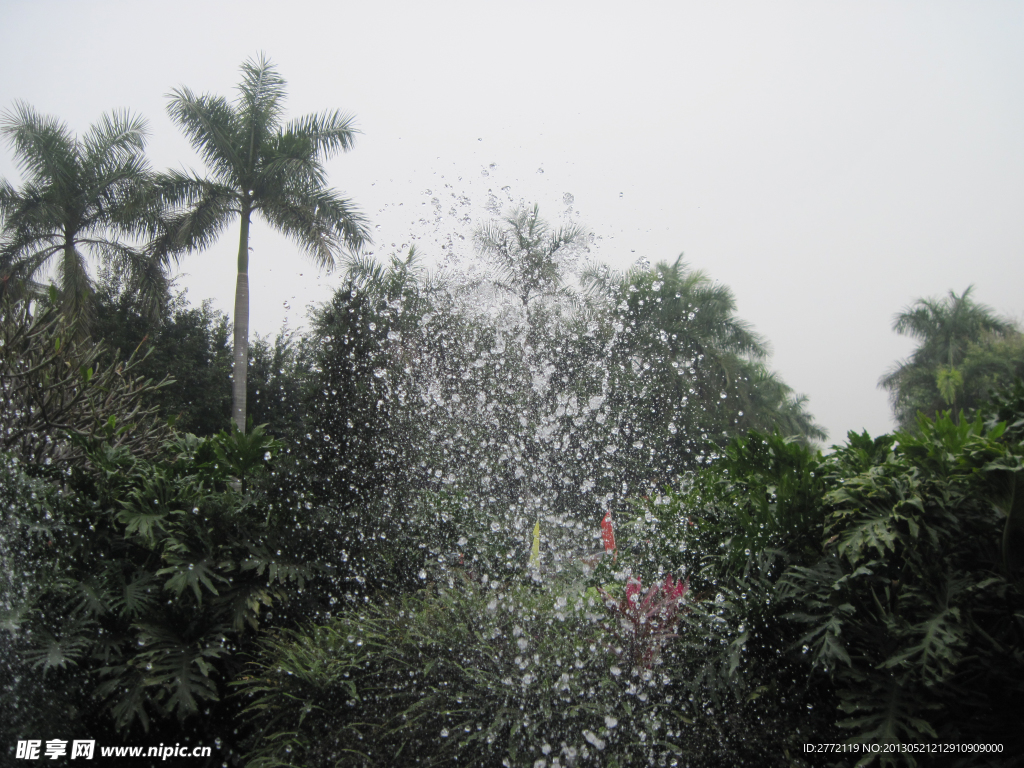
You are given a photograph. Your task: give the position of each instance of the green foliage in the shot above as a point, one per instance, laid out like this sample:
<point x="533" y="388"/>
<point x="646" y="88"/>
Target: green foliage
<point x="58" y="391"/>
<point x="188" y="347"/>
<point x="478" y="675"/>
<point x="370" y="559"/>
<point x="685" y="373"/>
<point x="761" y="497"/>
<point x="732" y="530"/>
<point x="30" y="700"/>
<point x="276" y="372"/>
<point x="350" y="450"/>
<point x="880" y="585"/>
<point x="913" y="611"/>
<point x="148" y="575"/>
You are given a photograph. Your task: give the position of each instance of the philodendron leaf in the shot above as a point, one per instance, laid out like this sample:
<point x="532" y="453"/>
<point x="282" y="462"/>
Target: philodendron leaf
<point x="1011" y="505"/>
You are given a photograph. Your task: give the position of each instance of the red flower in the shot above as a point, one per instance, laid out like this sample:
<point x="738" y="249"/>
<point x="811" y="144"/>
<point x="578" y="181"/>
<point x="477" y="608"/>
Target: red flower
<point x="675" y="590"/>
<point x="644" y="624"/>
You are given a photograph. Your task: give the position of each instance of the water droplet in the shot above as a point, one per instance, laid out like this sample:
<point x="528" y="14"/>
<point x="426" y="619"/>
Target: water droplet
<point x="594" y="739"/>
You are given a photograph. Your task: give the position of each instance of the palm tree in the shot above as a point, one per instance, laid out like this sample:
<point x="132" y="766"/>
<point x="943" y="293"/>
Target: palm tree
<point x="257" y="166"/>
<point x="82" y="197"/>
<point x="528" y="254"/>
<point x="932" y="377"/>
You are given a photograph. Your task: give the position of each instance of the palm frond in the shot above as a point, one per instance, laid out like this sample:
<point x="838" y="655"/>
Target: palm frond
<point x="287" y="161"/>
<point x="319" y="220"/>
<point x="196" y="212"/>
<point x="145" y="272"/>
<point x="44" y="147"/>
<point x="8" y="201"/>
<point x="260" y="105"/>
<point x="212" y="127"/>
<point x="18" y="274"/>
<point x="36" y="212"/>
<point x="600" y="280"/>
<point x="124" y="198"/>
<point x="326" y="133"/>
<point x="75" y="282"/>
<point x="116" y="138"/>
<point x="365" y="269"/>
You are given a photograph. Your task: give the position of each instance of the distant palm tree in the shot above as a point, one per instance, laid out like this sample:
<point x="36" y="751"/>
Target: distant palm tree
<point x="528" y="254"/>
<point x="82" y="197"/>
<point x="932" y="377"/>
<point x="257" y="166"/>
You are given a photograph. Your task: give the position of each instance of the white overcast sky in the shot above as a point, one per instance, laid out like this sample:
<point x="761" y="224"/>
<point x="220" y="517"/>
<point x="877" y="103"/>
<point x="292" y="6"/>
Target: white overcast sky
<point x="829" y="161"/>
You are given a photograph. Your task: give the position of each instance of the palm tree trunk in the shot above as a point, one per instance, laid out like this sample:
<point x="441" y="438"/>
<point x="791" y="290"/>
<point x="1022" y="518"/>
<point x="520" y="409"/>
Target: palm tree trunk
<point x="239" y="371"/>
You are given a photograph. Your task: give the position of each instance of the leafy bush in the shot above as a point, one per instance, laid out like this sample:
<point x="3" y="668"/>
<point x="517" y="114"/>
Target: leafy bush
<point x="492" y="674"/>
<point x="146" y="577"/>
<point x="878" y="587"/>
<point x="914" y="610"/>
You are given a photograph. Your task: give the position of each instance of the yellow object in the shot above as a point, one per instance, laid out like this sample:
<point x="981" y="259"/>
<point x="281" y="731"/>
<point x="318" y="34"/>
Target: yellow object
<point x="535" y="549"/>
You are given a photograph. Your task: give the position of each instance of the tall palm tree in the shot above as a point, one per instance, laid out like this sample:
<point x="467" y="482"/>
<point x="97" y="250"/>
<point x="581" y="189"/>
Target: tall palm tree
<point x="257" y="166"/>
<point x="82" y="197"/>
<point x="931" y="378"/>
